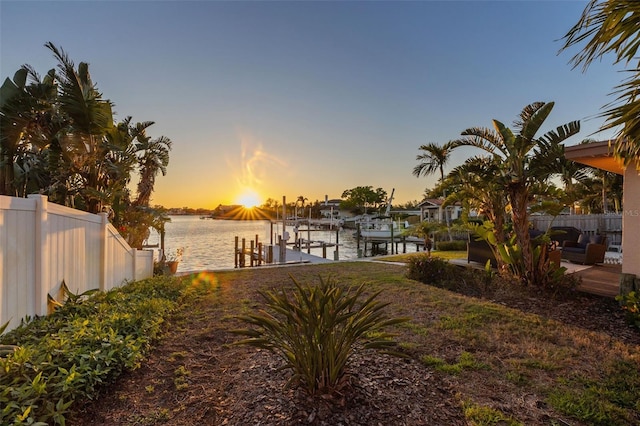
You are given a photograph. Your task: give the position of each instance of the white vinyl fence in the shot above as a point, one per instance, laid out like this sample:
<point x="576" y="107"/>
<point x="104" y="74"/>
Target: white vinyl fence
<point x="43" y="244"/>
<point x="606" y="224"/>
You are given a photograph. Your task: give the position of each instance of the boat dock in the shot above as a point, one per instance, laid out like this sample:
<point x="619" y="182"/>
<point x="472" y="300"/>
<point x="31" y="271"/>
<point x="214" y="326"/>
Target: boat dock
<point x="255" y="253"/>
<point x="298" y="256"/>
<point x="380" y="245"/>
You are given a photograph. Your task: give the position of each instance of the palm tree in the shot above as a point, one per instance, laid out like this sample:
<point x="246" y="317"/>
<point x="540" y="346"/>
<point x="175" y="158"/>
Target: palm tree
<point x="597" y="188"/>
<point x="477" y="187"/>
<point x="301" y="199"/>
<point x="127" y="146"/>
<point x="434" y="158"/>
<point x="154" y="159"/>
<point x="90" y="117"/>
<point x="613" y="26"/>
<point x="524" y="159"/>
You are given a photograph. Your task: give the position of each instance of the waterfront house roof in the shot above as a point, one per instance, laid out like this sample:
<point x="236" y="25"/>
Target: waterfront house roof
<point x="432" y="203"/>
<point x="595" y="154"/>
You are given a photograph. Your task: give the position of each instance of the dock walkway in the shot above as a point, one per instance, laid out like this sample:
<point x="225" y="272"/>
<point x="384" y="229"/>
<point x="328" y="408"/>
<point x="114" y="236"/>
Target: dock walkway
<point x="297" y="256"/>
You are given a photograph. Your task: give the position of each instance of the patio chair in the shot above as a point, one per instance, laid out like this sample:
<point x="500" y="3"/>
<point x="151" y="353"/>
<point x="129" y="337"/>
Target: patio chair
<point x="560" y="234"/>
<point x="588" y="250"/>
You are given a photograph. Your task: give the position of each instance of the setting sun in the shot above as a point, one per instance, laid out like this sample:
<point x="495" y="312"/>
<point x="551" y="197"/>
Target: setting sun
<point x="249" y="199"/>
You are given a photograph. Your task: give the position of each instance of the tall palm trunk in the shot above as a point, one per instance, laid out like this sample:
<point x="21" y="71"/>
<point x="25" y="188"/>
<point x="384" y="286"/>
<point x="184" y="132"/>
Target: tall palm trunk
<point x="498" y="231"/>
<point x="518" y="196"/>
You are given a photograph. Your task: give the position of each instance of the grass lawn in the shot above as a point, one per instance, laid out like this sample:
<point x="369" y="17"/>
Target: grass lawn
<point x="501" y="365"/>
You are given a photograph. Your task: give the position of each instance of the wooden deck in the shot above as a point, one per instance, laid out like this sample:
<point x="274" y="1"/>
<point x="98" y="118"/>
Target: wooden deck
<point x="603" y="280"/>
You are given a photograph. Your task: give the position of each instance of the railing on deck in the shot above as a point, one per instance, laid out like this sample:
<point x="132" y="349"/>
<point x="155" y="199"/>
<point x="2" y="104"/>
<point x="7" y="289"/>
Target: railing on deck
<point x="43" y="244"/>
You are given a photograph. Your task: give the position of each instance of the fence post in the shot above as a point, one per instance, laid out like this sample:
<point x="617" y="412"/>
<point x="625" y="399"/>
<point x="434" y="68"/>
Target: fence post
<point x="42" y="273"/>
<point x="134" y="255"/>
<point x="103" y="251"/>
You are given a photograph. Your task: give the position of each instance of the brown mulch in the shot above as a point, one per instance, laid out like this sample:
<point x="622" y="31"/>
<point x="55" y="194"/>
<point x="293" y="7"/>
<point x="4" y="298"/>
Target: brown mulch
<point x="195" y="377"/>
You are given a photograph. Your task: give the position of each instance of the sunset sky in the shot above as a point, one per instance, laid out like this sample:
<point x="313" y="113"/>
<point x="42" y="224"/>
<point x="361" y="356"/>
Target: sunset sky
<point x="312" y="98"/>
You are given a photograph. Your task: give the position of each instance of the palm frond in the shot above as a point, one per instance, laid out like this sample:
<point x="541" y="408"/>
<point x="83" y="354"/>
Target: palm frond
<point x="433" y="158"/>
<point x="607" y="27"/>
<point x="539" y="112"/>
<point x="561" y="133"/>
<point x="483" y="138"/>
<point x="79" y="97"/>
<point x="526" y="114"/>
<point x="507" y="137"/>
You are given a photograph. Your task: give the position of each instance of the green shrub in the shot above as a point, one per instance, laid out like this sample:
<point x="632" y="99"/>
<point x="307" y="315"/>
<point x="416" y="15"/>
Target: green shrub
<point x="455" y="245"/>
<point x="631" y="304"/>
<point x="443" y="274"/>
<point x="430" y="270"/>
<point x="82" y="345"/>
<point x="314" y="330"/>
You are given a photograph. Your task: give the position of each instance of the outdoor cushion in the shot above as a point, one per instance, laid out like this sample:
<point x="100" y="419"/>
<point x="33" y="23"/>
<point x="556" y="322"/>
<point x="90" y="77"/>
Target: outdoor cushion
<point x="564" y="233"/>
<point x="595" y="239"/>
<point x="583" y="240"/>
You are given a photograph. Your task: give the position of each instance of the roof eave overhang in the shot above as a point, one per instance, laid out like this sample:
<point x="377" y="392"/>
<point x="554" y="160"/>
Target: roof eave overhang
<point x="595" y="154"/>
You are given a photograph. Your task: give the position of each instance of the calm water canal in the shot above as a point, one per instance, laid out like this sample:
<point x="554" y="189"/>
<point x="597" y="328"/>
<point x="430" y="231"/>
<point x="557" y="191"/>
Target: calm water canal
<point x="209" y="244"/>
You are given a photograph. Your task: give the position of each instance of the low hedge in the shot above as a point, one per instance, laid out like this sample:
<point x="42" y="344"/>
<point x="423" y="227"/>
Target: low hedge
<point x="455" y="245"/>
<point x="84" y="344"/>
<point x="443" y="274"/>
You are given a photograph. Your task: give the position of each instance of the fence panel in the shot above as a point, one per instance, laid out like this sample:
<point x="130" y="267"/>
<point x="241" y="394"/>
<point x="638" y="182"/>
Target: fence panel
<point x="119" y="259"/>
<point x="77" y="235"/>
<point x="17" y="257"/>
<point x="144" y="264"/>
<point x="42" y="244"/>
<point x="607" y="224"/>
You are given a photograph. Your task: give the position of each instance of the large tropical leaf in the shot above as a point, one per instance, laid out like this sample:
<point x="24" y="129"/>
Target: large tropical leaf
<point x="10" y="89"/>
<point x="483" y="138"/>
<point x="533" y="116"/>
<point x="507" y="136"/>
<point x="15" y="116"/>
<point x="562" y="133"/>
<point x="79" y="98"/>
<point x="624" y="113"/>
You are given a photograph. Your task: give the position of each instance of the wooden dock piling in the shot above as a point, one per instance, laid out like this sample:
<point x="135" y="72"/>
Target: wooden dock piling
<point x="258" y="253"/>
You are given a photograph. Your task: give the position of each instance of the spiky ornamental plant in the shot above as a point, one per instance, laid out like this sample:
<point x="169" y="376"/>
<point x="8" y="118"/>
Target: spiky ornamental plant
<point x="315" y="329"/>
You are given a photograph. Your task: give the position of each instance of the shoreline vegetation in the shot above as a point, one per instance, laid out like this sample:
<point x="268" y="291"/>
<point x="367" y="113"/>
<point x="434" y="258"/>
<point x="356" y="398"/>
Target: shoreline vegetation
<point x="517" y="357"/>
